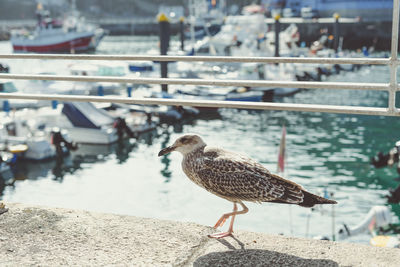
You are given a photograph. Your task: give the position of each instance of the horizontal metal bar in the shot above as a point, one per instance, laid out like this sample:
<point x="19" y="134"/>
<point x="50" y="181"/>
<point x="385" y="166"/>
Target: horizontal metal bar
<point x="210" y="82"/>
<point x="314" y="20"/>
<point x="315" y="60"/>
<point x="209" y="103"/>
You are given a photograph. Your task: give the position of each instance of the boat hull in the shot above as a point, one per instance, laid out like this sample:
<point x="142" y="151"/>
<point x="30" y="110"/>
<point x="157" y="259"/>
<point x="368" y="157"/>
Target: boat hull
<point x="77" y="44"/>
<point x="93" y="136"/>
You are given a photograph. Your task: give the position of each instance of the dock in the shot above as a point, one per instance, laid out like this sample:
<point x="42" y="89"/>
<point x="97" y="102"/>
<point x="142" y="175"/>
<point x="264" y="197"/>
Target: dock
<point x="355" y="33"/>
<point x="46" y="236"/>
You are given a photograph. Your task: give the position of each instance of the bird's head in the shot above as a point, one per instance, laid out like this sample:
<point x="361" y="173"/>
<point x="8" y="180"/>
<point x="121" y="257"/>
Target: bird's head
<point x="184" y="144"/>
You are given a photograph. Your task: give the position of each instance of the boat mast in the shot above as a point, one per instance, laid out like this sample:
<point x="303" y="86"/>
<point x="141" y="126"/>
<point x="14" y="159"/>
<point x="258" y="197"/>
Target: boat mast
<point x="192" y="21"/>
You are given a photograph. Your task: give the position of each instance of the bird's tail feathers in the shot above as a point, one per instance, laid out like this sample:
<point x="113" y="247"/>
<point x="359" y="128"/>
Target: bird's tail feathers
<point x="309" y="200"/>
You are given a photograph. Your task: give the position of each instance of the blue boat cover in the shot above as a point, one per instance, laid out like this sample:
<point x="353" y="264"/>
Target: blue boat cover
<point x="86" y="115"/>
<point x="140" y="68"/>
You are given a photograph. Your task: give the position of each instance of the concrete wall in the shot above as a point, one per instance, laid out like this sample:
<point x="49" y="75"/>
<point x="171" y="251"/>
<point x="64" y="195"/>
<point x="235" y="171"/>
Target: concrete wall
<point x="32" y="235"/>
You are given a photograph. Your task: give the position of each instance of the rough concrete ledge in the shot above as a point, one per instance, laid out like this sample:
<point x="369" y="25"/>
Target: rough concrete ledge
<point x="32" y="235"/>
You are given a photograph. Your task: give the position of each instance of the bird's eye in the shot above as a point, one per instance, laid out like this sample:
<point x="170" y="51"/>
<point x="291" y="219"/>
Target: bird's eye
<point x="184" y="140"/>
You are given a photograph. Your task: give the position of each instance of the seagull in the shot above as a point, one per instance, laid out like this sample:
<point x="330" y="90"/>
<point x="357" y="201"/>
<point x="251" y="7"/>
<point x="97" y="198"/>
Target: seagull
<point x="236" y="178"/>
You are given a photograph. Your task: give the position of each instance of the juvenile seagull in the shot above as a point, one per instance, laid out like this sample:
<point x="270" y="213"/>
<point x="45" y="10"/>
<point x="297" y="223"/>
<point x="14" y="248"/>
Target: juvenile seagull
<point x="236" y="178"/>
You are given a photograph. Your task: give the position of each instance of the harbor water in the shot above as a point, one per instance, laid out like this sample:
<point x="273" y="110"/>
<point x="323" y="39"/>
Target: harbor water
<point x="324" y="152"/>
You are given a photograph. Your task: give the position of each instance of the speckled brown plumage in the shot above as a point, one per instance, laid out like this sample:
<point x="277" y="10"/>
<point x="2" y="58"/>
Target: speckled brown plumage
<point x="237" y="178"/>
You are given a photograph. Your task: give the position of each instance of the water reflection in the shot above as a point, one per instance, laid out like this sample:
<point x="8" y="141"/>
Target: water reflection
<point x="165" y="160"/>
<point x="63" y="167"/>
<point x="58" y="168"/>
<point x="6" y="179"/>
<point x="31" y="170"/>
<point x="148" y="137"/>
<point x="122" y="150"/>
<point x="332" y="149"/>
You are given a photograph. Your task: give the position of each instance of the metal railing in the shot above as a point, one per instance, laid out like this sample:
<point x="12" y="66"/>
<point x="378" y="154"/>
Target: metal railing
<point x="391" y="87"/>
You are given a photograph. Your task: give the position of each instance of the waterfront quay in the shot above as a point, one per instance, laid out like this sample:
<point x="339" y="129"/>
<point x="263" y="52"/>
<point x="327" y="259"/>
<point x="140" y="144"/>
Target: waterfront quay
<point x="356" y="33"/>
<point x="35" y="235"/>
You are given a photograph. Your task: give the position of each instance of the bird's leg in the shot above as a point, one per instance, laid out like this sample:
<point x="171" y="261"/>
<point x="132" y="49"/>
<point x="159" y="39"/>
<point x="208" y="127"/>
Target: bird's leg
<point x="222" y="220"/>
<point x="224" y="217"/>
<point x="230" y="229"/>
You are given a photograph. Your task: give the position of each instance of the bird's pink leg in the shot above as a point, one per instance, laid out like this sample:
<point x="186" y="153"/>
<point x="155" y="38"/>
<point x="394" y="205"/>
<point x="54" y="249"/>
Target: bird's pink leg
<point x="224" y="217"/>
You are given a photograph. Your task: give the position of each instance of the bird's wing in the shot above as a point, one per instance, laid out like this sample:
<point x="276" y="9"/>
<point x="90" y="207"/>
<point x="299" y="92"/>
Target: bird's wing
<point x="237" y="177"/>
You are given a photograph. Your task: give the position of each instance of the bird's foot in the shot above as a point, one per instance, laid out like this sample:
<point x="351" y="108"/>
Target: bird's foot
<point x="220" y="235"/>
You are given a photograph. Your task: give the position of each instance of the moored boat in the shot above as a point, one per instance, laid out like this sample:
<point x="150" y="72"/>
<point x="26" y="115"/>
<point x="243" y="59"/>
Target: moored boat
<point x="27" y="143"/>
<point x="50" y="36"/>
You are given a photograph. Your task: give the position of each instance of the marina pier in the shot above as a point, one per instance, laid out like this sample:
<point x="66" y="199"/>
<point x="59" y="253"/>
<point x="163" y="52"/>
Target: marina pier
<point x="355" y="33"/>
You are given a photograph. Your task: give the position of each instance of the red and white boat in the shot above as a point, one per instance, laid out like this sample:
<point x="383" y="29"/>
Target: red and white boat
<point x="50" y="36"/>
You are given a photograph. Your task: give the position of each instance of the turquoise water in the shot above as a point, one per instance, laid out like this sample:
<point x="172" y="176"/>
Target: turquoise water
<point x="324" y="152"/>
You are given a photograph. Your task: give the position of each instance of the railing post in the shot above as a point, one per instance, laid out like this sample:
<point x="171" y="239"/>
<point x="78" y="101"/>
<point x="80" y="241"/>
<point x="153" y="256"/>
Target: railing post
<point x="277" y="30"/>
<point x="336" y="32"/>
<point x="164" y="43"/>
<point x="182" y="32"/>
<point x="393" y="58"/>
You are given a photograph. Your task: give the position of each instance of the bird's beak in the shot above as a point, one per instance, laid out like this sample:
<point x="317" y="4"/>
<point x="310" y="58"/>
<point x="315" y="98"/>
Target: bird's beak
<point x="166" y="150"/>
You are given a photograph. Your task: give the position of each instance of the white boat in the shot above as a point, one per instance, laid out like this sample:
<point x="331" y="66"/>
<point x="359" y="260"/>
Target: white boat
<point x="268" y="72"/>
<point x="233" y="32"/>
<point x="38" y="87"/>
<point x="248" y="35"/>
<point x="15" y="131"/>
<point x="283" y="72"/>
<point x="102" y="136"/>
<point x="81" y="122"/>
<point x="377" y="219"/>
<point x="84" y="122"/>
<point x="205" y="18"/>
<point x="102" y="68"/>
<point x="91" y="121"/>
<point x="263" y="43"/>
<point x="53" y="87"/>
<point x="138" y="122"/>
